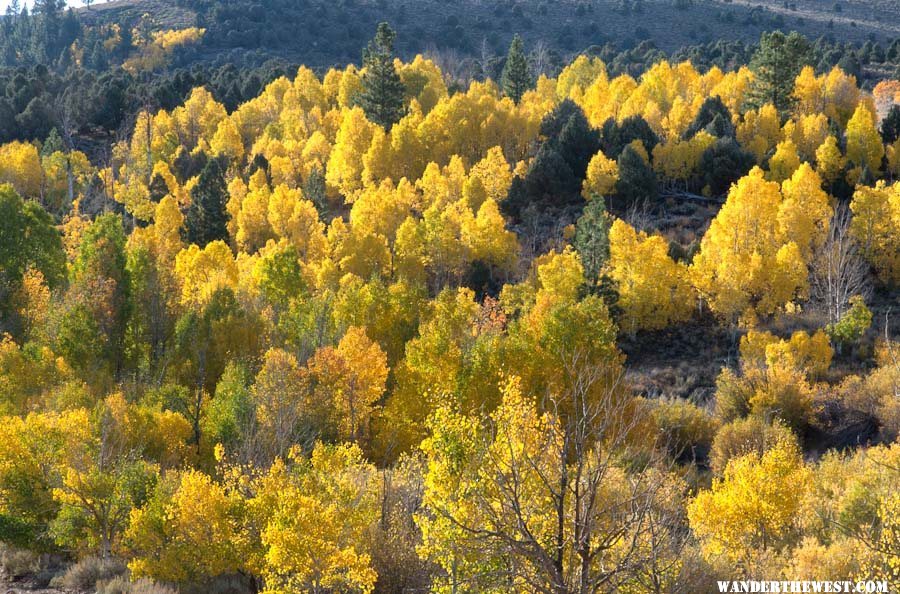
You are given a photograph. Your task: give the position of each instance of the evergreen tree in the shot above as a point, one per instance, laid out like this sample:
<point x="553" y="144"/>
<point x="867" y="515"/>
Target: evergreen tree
<point x="555" y="176"/>
<point x="592" y="237"/>
<point x="568" y="132"/>
<point x="516" y="78"/>
<point x="723" y="164"/>
<point x="158" y="188"/>
<point x="890" y="125"/>
<point x="713" y="117"/>
<point x="775" y="66"/>
<point x="382" y="90"/>
<point x="314" y="190"/>
<point x="52" y="144"/>
<point x="614" y="137"/>
<point x="548" y="183"/>
<point x="637" y="181"/>
<point x="206" y="218"/>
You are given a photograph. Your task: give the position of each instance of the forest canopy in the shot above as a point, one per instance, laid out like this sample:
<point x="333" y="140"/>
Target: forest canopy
<point x="371" y="330"/>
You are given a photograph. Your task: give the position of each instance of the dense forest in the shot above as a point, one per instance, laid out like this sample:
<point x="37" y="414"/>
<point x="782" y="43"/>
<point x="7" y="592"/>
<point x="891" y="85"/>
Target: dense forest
<point x="623" y="323"/>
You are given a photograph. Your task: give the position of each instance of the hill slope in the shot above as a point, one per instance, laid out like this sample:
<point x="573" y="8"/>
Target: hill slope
<point x="321" y="33"/>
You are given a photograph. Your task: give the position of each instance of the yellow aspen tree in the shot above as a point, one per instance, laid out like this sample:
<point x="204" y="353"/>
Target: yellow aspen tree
<point x="377" y="162"/>
<point x="578" y="75"/>
<point x="382" y="208"/>
<point x="807" y="132"/>
<point x="20" y="165"/>
<point x="745" y="266"/>
<point x="448" y="254"/>
<point x="296" y="219"/>
<point x="168" y="221"/>
<point x="410" y="255"/>
<point x="749" y="510"/>
<point x="424" y="82"/>
<point x="163" y="538"/>
<point x="322" y="508"/>
<point x="600" y="180"/>
<point x="784" y="162"/>
<point x="808" y="92"/>
<point x="345" y="164"/>
<point x="760" y="131"/>
<point x="864" y="147"/>
<point x="841" y="95"/>
<point x="494" y="173"/>
<point x="315" y="153"/>
<point x="489" y="240"/>
<point x="351" y="379"/>
<point x="228" y="141"/>
<point x="198" y="118"/>
<point x="357" y="251"/>
<point x="252" y="220"/>
<point x="653" y="289"/>
<point x="805" y="212"/>
<point x="876" y="226"/>
<point x="308" y="90"/>
<point x="202" y="272"/>
<point x="892" y="152"/>
<point x="829" y="160"/>
<point x="349" y="87"/>
<point x="408" y="152"/>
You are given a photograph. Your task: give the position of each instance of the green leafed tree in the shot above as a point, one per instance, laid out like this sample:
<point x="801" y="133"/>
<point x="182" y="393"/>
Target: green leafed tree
<point x="27" y="238"/>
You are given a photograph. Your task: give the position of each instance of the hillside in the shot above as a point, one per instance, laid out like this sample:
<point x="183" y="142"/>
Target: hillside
<point x="321" y="34"/>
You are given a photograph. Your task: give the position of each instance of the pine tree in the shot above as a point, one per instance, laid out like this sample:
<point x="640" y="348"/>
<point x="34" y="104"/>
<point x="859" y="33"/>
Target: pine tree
<point x="637" y="181"/>
<point x="314" y="189"/>
<point x="775" y="66"/>
<point x="54" y="143"/>
<point x="592" y="237"/>
<point x="206" y="218"/>
<point x="158" y="188"/>
<point x="516" y="77"/>
<point x="890" y="125"/>
<point x="382" y="90"/>
<point x="713" y="117"/>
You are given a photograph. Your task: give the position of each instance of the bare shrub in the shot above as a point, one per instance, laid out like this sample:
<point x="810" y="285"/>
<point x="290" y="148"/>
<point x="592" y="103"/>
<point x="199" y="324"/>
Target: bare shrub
<point x="746" y="436"/>
<point x="121" y="585"/>
<point x="86" y="574"/>
<point x="688" y="430"/>
<point x="17" y="563"/>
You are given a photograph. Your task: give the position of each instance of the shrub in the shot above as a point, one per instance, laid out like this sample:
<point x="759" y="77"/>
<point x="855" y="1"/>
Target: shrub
<point x="883" y="382"/>
<point x="852" y="325"/>
<point x="85" y="574"/>
<point x="117" y="585"/>
<point x="814" y="560"/>
<point x="121" y="585"/>
<point x="784" y="394"/>
<point x="744" y="436"/>
<point x="17" y="563"/>
<point x="732" y="396"/>
<point x="808" y="354"/>
<point x="687" y="429"/>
